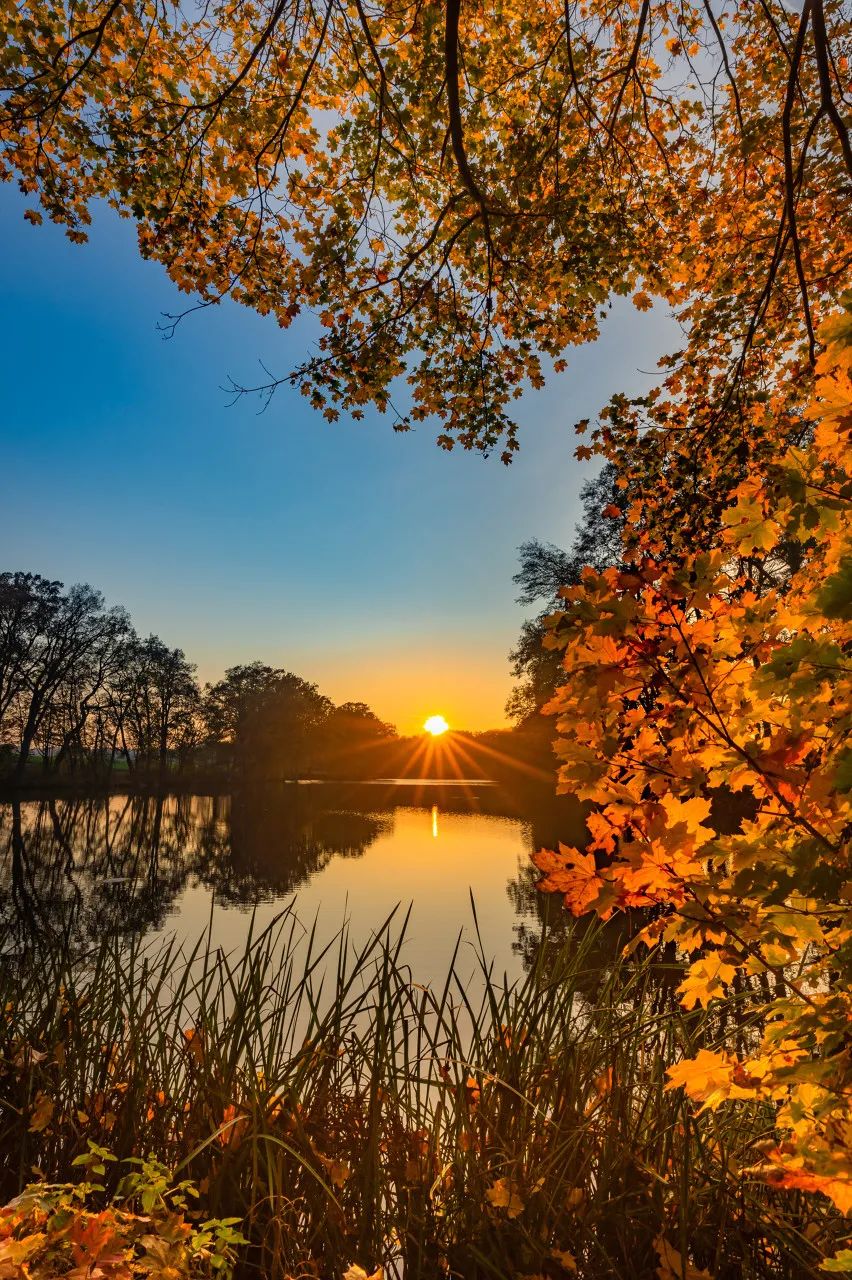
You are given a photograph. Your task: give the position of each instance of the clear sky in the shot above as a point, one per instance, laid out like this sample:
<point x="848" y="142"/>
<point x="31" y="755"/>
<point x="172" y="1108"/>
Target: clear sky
<point x="375" y="564"/>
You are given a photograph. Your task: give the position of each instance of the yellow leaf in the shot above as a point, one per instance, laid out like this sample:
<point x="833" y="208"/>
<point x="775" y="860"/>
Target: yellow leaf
<point x="504" y="1194"/>
<point x="574" y="1198"/>
<point x="704" y="1076"/>
<point x="706" y="980"/>
<point x="15" y="1252"/>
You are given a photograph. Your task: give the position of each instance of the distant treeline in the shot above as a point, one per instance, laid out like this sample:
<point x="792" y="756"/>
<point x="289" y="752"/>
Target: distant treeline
<point x="83" y="696"/>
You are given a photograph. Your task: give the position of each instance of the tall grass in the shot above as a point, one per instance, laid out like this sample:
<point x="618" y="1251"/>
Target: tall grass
<point x="349" y="1115"/>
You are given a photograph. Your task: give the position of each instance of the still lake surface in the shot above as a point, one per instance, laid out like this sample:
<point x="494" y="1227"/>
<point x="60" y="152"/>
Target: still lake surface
<point x="180" y="865"/>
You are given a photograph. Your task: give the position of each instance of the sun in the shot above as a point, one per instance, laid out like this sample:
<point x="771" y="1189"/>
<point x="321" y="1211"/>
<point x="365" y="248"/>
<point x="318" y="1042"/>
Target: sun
<point x="435" y="725"/>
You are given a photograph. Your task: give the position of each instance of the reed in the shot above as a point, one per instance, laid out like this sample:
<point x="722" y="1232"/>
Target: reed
<point x="347" y="1115"/>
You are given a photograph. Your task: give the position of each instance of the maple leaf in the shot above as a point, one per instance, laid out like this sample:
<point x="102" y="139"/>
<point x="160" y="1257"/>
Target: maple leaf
<point x="94" y="1239"/>
<point x="15" y="1253"/>
<point x="571" y="873"/>
<point x="707" y="1075"/>
<point x="791" y="1173"/>
<point x="504" y="1194"/>
<point x="194" y="1042"/>
<point x="706" y="980"/>
<point x="574" y="1198"/>
<point x="338" y="1170"/>
<point x="691" y="813"/>
<point x="841" y="1262"/>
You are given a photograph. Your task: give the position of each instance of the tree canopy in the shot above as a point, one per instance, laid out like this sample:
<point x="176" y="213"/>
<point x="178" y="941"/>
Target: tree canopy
<point x="726" y="667"/>
<point x="457" y="192"/>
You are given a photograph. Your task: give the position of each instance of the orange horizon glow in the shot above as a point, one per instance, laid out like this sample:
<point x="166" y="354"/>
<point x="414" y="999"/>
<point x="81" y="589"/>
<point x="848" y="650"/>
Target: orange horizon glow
<point x="402" y="685"/>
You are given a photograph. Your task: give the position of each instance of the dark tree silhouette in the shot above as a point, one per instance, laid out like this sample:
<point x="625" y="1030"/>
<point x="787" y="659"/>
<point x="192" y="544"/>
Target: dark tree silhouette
<point x="544" y="569"/>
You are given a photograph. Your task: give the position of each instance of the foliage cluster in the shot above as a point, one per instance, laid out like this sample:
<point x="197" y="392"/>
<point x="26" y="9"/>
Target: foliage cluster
<point x="689" y="673"/>
<point x="144" y="1229"/>
<point x="455" y="193"/>
<point x="350" y="1117"/>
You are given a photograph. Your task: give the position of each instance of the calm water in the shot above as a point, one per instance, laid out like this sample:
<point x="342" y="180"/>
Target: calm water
<point x="157" y="866"/>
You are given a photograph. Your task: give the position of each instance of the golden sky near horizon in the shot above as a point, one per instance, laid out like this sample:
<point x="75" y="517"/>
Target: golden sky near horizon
<point x="405" y="686"/>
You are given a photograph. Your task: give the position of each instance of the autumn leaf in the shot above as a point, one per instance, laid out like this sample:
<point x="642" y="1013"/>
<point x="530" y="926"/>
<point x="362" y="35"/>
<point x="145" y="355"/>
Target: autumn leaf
<point x="706" y="980"/>
<point x="841" y="1262"/>
<point x="194" y="1043"/>
<point x="575" y="1198"/>
<point x="504" y="1194"/>
<point x="358" y="1273"/>
<point x="14" y="1253"/>
<point x="338" y="1170"/>
<point x="95" y="1239"/>
<point x="233" y="1126"/>
<point x="571" y="873"/>
<point x="42" y="1113"/>
<point x="673" y="1266"/>
<point x="602" y="1084"/>
<point x="792" y="1174"/>
<point x="691" y="813"/>
<point x="707" y="1076"/>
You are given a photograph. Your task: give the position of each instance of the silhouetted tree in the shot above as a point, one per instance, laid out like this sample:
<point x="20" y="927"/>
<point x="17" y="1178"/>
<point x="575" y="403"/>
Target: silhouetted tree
<point x="81" y="703"/>
<point x="56" y="652"/>
<point x="162" y="711"/>
<point x="229" y="700"/>
<point x="79" y="687"/>
<point x="279" y="731"/>
<point x="28" y="602"/>
<point x="544" y="568"/>
<point x="355" y="741"/>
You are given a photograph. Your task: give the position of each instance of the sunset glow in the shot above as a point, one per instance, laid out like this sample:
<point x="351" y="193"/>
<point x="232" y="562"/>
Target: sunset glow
<point x="435" y="725"/>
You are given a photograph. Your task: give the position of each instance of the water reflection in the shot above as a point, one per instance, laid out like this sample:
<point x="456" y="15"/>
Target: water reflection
<point x="142" y="865"/>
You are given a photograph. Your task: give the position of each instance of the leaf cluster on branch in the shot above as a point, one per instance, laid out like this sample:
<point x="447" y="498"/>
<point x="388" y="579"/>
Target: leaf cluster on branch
<point x="698" y="674"/>
<point x="456" y="191"/>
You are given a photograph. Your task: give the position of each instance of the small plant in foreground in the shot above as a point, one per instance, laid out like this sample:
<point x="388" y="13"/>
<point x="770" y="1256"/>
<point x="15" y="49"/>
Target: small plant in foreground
<point x="144" y="1228"/>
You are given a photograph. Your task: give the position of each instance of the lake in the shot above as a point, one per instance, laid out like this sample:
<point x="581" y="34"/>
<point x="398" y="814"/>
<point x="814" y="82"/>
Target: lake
<point x="181" y="865"/>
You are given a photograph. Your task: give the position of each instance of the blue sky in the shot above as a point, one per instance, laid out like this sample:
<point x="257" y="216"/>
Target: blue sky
<point x="373" y="563"/>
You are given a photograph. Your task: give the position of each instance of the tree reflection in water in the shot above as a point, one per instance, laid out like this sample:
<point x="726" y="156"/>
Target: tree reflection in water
<point x="83" y="868"/>
<point x="77" y="869"/>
